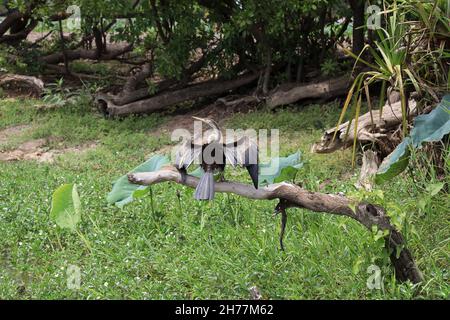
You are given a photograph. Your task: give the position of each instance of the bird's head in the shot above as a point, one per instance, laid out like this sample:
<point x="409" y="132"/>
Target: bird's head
<point x="209" y="122"/>
<point x="216" y="134"/>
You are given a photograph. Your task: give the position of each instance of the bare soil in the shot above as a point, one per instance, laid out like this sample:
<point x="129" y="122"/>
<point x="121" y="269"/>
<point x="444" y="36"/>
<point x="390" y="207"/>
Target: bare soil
<point x="37" y="149"/>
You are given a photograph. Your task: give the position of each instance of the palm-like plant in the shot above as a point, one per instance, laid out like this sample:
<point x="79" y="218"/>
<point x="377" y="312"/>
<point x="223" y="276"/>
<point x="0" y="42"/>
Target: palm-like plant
<point x="405" y="57"/>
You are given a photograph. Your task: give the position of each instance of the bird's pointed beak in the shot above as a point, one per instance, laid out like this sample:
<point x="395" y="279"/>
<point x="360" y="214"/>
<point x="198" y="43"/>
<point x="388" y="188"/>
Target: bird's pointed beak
<point x="197" y="118"/>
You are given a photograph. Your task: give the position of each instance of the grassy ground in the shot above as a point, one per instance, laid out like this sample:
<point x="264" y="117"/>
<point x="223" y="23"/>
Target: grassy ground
<point x="169" y="246"/>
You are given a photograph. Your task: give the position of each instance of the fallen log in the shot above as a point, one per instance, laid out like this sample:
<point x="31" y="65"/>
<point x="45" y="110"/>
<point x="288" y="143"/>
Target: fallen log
<point x="130" y="93"/>
<point x="377" y="131"/>
<point x="76" y="54"/>
<point x="15" y="82"/>
<point x="291" y="195"/>
<point x="292" y="93"/>
<point x="129" y="96"/>
<point x="170" y="98"/>
<point x="60" y="70"/>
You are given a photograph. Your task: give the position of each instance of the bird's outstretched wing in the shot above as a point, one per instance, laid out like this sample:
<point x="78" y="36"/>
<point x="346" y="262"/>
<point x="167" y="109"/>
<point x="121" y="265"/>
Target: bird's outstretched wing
<point x="186" y="154"/>
<point x="244" y="152"/>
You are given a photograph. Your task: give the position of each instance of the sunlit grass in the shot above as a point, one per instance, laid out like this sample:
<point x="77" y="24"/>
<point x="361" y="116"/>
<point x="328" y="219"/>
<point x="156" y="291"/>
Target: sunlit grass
<point x="174" y="247"/>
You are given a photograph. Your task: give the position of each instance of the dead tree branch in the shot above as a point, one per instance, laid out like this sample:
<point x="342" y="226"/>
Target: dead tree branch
<point x="171" y="98"/>
<point x="293" y="93"/>
<point x="58" y="57"/>
<point x="293" y="196"/>
<point x="33" y="85"/>
<point x="132" y="93"/>
<point x="367" y="131"/>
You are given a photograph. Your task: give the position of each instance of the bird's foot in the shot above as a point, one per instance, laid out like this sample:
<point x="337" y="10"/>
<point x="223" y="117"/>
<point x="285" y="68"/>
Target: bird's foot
<point x="221" y="178"/>
<point x="183" y="174"/>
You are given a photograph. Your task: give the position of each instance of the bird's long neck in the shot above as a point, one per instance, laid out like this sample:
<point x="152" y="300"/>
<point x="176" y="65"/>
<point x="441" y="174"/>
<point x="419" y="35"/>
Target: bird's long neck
<point x="216" y="135"/>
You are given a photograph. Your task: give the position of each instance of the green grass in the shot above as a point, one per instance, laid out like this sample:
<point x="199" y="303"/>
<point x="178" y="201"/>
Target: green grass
<point x="169" y="246"/>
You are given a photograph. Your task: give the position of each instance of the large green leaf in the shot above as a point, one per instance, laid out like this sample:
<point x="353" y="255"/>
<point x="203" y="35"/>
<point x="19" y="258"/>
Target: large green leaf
<point x="395" y="163"/>
<point x="66" y="207"/>
<point x="277" y="170"/>
<point x="427" y="128"/>
<point x="280" y="169"/>
<point x="433" y="126"/>
<point x="122" y="191"/>
<point x="197" y="172"/>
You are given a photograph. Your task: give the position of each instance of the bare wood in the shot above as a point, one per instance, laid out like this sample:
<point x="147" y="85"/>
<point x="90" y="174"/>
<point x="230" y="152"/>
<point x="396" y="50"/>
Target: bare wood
<point x="236" y="100"/>
<point x="14" y="80"/>
<point x="170" y="98"/>
<point x="130" y="94"/>
<point x="61" y="70"/>
<point x="368" y="170"/>
<point x="324" y="89"/>
<point x="134" y="80"/>
<point x="367" y="131"/>
<point x="58" y="57"/>
<point x="293" y="196"/>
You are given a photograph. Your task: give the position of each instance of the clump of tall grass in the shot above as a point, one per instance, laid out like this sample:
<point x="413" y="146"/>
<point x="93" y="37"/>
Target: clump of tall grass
<point x="411" y="54"/>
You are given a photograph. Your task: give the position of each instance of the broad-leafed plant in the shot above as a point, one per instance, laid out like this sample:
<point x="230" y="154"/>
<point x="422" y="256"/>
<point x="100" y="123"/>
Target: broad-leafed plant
<point x="409" y="55"/>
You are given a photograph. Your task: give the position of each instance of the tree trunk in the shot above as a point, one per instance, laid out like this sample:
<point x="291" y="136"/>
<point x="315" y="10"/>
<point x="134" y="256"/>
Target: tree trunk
<point x="300" y="75"/>
<point x="292" y="93"/>
<point x="63" y="48"/>
<point x="369" y="168"/>
<point x="19" y="34"/>
<point x="266" y="79"/>
<point x="10" y="19"/>
<point x="134" y="80"/>
<point x="358" y="7"/>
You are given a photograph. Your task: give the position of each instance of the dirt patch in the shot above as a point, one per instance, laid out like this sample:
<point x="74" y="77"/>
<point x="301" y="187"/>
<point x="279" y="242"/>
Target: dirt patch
<point x="8" y="133"/>
<point x="218" y="111"/>
<point x="37" y="150"/>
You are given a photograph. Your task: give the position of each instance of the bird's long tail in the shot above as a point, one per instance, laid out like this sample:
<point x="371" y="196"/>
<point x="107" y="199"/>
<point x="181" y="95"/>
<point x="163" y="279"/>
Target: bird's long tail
<point x="205" y="188"/>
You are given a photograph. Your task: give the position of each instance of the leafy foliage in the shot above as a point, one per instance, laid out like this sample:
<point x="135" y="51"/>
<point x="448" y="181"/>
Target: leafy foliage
<point x="330" y="67"/>
<point x="427" y="128"/>
<point x="282" y="169"/>
<point x="395" y="163"/>
<point x="172" y="257"/>
<point x="123" y="191"/>
<point x="66" y="210"/>
<point x="231" y="35"/>
<point x="433" y="126"/>
<point x="398" y="61"/>
<point x="66" y="207"/>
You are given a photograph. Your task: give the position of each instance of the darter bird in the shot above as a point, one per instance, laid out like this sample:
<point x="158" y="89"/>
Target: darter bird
<point x="212" y="153"/>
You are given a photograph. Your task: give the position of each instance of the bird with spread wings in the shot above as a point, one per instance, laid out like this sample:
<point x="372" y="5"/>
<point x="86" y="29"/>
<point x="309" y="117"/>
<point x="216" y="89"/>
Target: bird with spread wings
<point x="212" y="153"/>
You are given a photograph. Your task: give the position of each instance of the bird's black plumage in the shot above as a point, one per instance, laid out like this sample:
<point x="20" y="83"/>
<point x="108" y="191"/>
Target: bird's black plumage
<point x="212" y="155"/>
